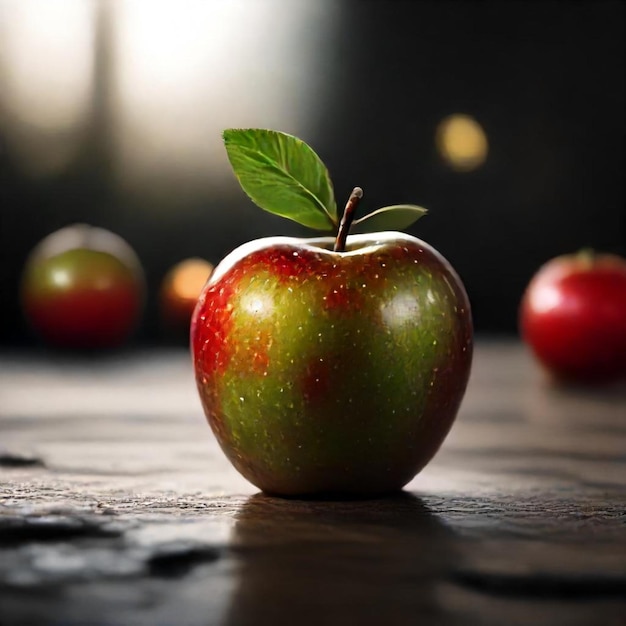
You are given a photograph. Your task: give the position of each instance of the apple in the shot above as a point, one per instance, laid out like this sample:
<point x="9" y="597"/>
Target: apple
<point x="83" y="287"/>
<point x="573" y="317"/>
<point x="323" y="371"/>
<point x="328" y="365"/>
<point x="179" y="293"/>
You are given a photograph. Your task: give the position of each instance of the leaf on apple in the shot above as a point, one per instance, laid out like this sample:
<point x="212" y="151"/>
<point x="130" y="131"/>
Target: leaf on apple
<point x="395" y="217"/>
<point x="283" y="175"/>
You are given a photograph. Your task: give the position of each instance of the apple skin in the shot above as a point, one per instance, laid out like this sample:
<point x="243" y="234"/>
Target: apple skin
<point x="83" y="288"/>
<point x="573" y="317"/>
<point x="332" y="373"/>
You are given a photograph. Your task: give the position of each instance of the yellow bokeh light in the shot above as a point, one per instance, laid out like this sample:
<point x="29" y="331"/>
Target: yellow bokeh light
<point x="189" y="278"/>
<point x="462" y="142"/>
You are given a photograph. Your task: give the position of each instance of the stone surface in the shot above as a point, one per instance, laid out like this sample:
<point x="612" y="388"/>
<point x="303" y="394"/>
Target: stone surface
<point x="136" y="518"/>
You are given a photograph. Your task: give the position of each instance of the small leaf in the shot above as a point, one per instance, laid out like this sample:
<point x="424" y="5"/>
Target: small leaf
<point x="282" y="175"/>
<point x="395" y="217"/>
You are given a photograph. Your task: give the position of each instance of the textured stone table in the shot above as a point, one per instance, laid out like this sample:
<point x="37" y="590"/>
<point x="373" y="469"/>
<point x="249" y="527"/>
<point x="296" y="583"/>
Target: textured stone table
<point x="117" y="508"/>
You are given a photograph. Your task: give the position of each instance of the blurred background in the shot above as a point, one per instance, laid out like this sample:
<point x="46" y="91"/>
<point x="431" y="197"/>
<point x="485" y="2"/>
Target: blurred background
<point x="504" y="119"/>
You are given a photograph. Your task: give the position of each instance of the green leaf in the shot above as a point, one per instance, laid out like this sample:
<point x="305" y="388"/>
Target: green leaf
<point x="395" y="217"/>
<point x="282" y="175"/>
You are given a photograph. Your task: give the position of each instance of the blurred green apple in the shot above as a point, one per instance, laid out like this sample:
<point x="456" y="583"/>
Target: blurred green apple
<point x="83" y="287"/>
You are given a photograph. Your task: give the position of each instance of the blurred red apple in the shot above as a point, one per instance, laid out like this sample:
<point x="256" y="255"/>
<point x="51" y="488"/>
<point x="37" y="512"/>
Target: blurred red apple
<point x="573" y="316"/>
<point x="83" y="287"/>
<point x="180" y="289"/>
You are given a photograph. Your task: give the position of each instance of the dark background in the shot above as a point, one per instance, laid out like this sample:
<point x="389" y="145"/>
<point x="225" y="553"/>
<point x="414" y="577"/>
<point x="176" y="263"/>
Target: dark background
<point x="366" y="84"/>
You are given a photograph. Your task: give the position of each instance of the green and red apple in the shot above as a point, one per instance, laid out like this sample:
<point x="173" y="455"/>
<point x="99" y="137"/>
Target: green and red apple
<point x="83" y="287"/>
<point x="333" y="365"/>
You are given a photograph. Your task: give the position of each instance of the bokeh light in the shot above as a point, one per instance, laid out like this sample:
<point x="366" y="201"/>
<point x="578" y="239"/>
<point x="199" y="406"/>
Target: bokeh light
<point x="46" y="72"/>
<point x="180" y="290"/>
<point x="183" y="75"/>
<point x="462" y="142"/>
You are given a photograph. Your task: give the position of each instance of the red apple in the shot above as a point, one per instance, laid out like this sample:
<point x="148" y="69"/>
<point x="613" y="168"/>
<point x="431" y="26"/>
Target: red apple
<point x="83" y="287"/>
<point x="332" y="372"/>
<point x="573" y="316"/>
<point x="179" y="293"/>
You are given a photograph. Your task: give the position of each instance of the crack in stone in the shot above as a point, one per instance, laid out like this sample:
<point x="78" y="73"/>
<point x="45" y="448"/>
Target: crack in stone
<point x="11" y="458"/>
<point x="542" y="585"/>
<point x="179" y="558"/>
<point x="15" y="530"/>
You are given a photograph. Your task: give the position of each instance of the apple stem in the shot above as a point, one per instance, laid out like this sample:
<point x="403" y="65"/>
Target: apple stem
<point x="346" y="219"/>
<point x="586" y="257"/>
